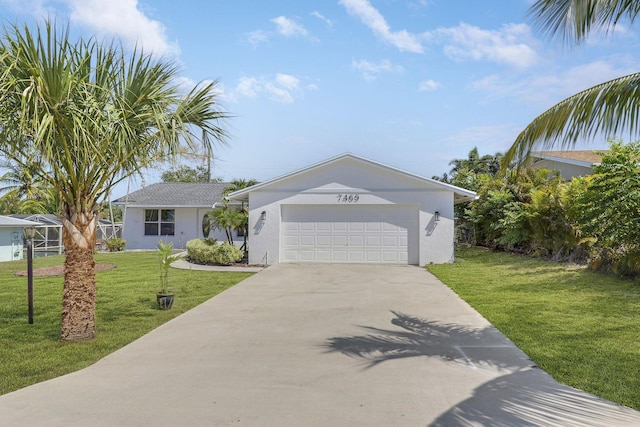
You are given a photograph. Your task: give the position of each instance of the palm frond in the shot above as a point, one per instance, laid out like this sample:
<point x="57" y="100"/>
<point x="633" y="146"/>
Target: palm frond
<point x="573" y="20"/>
<point x="607" y="109"/>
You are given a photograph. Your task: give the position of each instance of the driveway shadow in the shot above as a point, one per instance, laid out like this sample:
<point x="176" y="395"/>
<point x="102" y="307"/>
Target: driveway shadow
<point x="530" y="397"/>
<point x="524" y="396"/>
<point x="423" y="338"/>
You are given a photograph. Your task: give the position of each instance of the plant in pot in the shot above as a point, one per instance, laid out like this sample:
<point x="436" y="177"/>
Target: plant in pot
<point x="165" y="296"/>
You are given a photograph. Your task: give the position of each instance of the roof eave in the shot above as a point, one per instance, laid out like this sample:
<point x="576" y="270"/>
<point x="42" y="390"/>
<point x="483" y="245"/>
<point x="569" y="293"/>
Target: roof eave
<point x="244" y="193"/>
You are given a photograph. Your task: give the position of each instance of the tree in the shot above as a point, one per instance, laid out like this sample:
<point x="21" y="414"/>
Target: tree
<point x="87" y="115"/>
<point x="236" y="185"/>
<point x="607" y="108"/>
<point x="607" y="208"/>
<point x="228" y="219"/>
<point x="184" y="173"/>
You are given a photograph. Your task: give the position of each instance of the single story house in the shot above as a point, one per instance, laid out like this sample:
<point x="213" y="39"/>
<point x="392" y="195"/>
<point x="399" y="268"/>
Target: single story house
<point x="349" y="209"/>
<point x="171" y="212"/>
<point x="12" y="237"/>
<point x="568" y="163"/>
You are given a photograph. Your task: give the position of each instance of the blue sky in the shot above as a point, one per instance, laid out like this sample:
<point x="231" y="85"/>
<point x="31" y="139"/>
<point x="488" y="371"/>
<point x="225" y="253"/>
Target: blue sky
<point x="410" y="83"/>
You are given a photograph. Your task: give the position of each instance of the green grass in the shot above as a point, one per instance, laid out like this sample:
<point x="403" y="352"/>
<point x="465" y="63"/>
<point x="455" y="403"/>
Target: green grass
<point x="580" y="327"/>
<point x="126" y="309"/>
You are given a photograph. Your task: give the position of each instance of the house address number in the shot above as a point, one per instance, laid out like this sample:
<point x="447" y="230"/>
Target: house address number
<point x="348" y="198"/>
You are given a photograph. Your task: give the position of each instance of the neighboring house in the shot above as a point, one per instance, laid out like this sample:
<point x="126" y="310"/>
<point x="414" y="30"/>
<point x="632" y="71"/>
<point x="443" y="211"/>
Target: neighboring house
<point x="351" y="210"/>
<point x="169" y="211"/>
<point x="12" y="237"/>
<point x="568" y="163"/>
<point x="48" y="238"/>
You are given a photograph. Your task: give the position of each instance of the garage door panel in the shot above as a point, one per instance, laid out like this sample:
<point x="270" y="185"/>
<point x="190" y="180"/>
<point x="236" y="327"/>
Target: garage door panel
<point x="373" y="240"/>
<point x="392" y="258"/>
<point x="356" y="257"/>
<point x="322" y="226"/>
<point x="340" y="240"/>
<point x="347" y="234"/>
<point x="307" y="240"/>
<point x="336" y="226"/>
<point x="356" y="241"/>
<point x="373" y="227"/>
<point x="390" y="241"/>
<point x="356" y="227"/>
<point x="323" y="240"/>
<point x="322" y="256"/>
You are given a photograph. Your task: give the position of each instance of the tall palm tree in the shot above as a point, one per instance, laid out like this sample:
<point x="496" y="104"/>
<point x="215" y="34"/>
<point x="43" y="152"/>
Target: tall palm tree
<point x="87" y="115"/>
<point x="608" y="108"/>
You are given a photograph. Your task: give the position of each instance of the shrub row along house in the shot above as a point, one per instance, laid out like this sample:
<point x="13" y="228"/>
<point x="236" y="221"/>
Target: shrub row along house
<point x="346" y="209"/>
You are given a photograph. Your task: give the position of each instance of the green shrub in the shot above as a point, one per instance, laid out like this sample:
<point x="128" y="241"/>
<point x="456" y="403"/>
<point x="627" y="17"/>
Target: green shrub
<point x="116" y="244"/>
<point x="206" y="251"/>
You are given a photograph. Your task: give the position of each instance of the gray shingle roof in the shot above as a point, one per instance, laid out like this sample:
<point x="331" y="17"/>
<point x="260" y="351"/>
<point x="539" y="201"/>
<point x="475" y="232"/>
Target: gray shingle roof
<point x="7" y="221"/>
<point x="176" y="194"/>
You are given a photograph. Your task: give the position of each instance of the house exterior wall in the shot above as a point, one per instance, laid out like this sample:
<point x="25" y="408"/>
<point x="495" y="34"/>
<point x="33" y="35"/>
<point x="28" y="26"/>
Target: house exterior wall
<point x="435" y="243"/>
<point x="567" y="171"/>
<point x="188" y="226"/>
<point x="10" y="247"/>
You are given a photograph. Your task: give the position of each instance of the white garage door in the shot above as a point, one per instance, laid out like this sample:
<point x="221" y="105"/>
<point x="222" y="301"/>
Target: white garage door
<point x="347" y="234"/>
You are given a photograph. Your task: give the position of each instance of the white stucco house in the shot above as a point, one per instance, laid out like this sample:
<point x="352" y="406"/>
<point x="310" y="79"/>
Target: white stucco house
<point x="11" y="237"/>
<point x="349" y="209"/>
<point x="568" y="163"/>
<point x="171" y="212"/>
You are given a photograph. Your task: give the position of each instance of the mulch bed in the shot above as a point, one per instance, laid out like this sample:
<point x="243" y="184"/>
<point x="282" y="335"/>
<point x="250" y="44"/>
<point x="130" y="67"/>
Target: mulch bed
<point x="58" y="270"/>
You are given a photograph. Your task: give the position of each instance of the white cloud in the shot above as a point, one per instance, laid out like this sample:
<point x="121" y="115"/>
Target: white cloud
<point x="123" y="19"/>
<point x="248" y="87"/>
<point x="428" y="85"/>
<point x="490" y="138"/>
<point x="546" y="88"/>
<point x="257" y="37"/>
<point x="283" y="88"/>
<point x="402" y="40"/>
<point x="120" y="19"/>
<point x="288" y="81"/>
<point x="289" y="28"/>
<point x="321" y="17"/>
<point x="370" y="71"/>
<point x="505" y="46"/>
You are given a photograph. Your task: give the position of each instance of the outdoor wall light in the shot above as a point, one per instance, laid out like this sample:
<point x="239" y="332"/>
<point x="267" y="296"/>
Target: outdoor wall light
<point x="263" y="216"/>
<point x="436" y="216"/>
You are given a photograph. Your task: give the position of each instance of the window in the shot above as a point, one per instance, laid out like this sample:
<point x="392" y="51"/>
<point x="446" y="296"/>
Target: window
<point x="159" y="222"/>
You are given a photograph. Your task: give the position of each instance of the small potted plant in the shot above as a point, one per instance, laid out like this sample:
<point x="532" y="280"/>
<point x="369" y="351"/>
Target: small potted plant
<point x="165" y="296"/>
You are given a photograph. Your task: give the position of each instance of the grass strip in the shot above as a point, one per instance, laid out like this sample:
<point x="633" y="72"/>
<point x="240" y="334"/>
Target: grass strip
<point x="579" y="326"/>
<point x="126" y="309"/>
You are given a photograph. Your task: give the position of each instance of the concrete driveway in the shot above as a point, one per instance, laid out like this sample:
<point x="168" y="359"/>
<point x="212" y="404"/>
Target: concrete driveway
<point x="317" y="345"/>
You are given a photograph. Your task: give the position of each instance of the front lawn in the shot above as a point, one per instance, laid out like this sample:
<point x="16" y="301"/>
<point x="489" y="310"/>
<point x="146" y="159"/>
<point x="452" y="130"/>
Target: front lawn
<point x="126" y="310"/>
<point x="580" y="327"/>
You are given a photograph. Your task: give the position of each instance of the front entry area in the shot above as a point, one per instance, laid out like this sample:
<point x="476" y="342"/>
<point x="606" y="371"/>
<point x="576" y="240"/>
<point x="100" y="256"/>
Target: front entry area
<point x="379" y="234"/>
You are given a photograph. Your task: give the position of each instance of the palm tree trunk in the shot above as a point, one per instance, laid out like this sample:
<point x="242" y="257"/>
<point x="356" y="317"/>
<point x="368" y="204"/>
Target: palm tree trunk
<point x="79" y="294"/>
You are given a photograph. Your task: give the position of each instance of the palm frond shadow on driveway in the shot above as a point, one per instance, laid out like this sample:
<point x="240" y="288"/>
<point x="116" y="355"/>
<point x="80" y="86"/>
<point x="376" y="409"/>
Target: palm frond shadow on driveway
<point x="417" y="337"/>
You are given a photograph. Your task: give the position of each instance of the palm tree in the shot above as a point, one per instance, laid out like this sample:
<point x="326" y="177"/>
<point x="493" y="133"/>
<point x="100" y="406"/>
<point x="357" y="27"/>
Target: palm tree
<point x="21" y="182"/>
<point x="236" y="185"/>
<point x="87" y="115"/>
<point x="228" y="219"/>
<point x="607" y="108"/>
